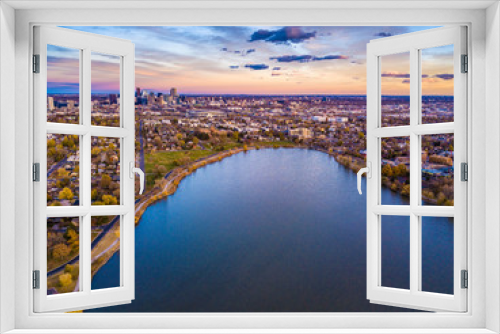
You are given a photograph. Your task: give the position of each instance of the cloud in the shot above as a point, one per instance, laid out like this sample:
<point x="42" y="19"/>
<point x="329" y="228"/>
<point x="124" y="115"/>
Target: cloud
<point x="383" y="34"/>
<point x="250" y="51"/>
<point x="275" y="74"/>
<point x="234" y="67"/>
<point x="285" y="35"/>
<point x="406" y="81"/>
<point x="257" y="66"/>
<point x="395" y="75"/>
<point x="305" y="58"/>
<point x="330" y="57"/>
<point x="223" y="49"/>
<point x="276" y="68"/>
<point x="444" y="76"/>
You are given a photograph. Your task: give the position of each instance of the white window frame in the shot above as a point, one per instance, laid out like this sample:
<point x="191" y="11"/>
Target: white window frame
<point x="483" y="307"/>
<point x="85" y="43"/>
<point x="412" y="44"/>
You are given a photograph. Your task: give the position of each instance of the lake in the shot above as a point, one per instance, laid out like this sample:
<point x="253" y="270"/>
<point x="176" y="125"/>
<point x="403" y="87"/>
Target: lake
<point x="273" y="230"/>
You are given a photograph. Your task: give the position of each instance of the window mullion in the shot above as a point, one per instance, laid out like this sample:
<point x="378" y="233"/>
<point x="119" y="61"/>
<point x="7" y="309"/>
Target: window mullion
<point x="85" y="192"/>
<point x="414" y="170"/>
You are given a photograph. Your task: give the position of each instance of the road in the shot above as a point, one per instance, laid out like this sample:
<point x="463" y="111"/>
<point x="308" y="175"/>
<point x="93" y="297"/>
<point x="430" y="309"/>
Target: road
<point x="141" y="140"/>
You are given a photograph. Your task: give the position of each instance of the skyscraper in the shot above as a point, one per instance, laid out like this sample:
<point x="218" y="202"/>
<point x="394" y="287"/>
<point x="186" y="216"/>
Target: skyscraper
<point x="138" y="91"/>
<point x="113" y="98"/>
<point x="50" y="103"/>
<point x="173" y="92"/>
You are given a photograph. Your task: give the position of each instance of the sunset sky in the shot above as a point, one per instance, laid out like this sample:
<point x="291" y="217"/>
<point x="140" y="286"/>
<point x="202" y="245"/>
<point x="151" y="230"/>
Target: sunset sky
<point x="252" y="60"/>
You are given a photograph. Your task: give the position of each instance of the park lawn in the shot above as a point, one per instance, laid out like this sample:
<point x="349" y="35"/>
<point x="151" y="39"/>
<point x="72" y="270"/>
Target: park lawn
<point x="282" y="143"/>
<point x="168" y="158"/>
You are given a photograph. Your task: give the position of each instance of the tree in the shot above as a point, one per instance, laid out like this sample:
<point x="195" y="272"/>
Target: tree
<point x="400" y="170"/>
<point x="109" y="200"/>
<point x="179" y="136"/>
<point x="196" y="140"/>
<point x="60" y="251"/>
<point x="387" y="170"/>
<point x="406" y="190"/>
<point x="66" y="193"/>
<point x="65" y="280"/>
<point x="105" y="181"/>
<point x="236" y="135"/>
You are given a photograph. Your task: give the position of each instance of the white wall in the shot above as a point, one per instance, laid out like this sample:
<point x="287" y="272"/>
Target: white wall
<point x="7" y="159"/>
<point x="492" y="164"/>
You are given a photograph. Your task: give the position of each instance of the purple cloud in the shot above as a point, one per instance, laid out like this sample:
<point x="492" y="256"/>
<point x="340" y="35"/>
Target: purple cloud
<point x="285" y="35"/>
<point x="257" y="66"/>
<point x="444" y="76"/>
<point x="276" y="68"/>
<point x="305" y="58"/>
<point x="234" y="67"/>
<point x="395" y="75"/>
<point x="383" y="34"/>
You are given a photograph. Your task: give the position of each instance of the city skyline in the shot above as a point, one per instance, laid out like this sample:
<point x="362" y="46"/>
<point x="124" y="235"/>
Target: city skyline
<point x="250" y="60"/>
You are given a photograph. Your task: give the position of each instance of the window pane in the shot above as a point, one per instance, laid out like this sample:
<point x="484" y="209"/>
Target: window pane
<point x="63" y="170"/>
<point x="105" y="171"/>
<point x="106" y="246"/>
<point x="105" y="89"/>
<point x="395" y="251"/>
<point x="437" y="84"/>
<point x="63" y="247"/>
<point x="395" y="89"/>
<point x="437" y="254"/>
<point x="437" y="170"/>
<point x="63" y="84"/>
<point x="395" y="170"/>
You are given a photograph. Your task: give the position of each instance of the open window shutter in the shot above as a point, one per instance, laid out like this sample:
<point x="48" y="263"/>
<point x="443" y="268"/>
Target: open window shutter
<point x="74" y="239"/>
<point x="416" y="295"/>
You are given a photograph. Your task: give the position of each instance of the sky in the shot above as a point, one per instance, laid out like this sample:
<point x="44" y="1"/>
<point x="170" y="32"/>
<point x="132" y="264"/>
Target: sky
<point x="252" y="60"/>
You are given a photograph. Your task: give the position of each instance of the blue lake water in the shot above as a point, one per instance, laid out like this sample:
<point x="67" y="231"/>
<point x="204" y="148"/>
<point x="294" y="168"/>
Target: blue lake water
<point x="275" y="230"/>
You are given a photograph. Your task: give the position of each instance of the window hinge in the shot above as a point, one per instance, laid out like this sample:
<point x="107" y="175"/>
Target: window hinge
<point x="36" y="63"/>
<point x="465" y="279"/>
<point x="465" y="171"/>
<point x="36" y="279"/>
<point x="465" y="64"/>
<point x="36" y="172"/>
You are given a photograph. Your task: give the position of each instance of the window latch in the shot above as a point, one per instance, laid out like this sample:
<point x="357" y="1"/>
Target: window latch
<point x="139" y="171"/>
<point x="368" y="171"/>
